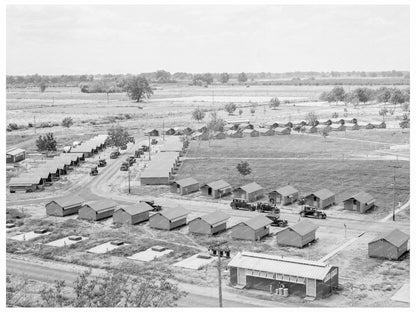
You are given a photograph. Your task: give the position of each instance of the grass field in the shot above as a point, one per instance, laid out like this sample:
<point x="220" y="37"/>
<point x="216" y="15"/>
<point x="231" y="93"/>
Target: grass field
<point x="342" y="177"/>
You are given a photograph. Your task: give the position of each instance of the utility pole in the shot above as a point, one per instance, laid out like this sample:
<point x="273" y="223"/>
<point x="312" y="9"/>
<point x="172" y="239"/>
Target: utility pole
<point x="129" y="178"/>
<point x="149" y="146"/>
<point x="394" y="188"/>
<point x="34" y="123"/>
<point x="220" y="248"/>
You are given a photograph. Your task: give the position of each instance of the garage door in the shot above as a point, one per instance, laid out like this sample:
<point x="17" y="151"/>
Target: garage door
<point x="310" y="287"/>
<point x="241" y="277"/>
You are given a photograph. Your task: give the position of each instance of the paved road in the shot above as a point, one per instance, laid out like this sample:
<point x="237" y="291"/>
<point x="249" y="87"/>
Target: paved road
<point x="197" y="296"/>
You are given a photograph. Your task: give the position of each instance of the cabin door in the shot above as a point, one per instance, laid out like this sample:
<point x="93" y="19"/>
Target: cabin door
<point x="354" y="205"/>
<point x="241" y="277"/>
<point x="209" y="191"/>
<point x="310" y="287"/>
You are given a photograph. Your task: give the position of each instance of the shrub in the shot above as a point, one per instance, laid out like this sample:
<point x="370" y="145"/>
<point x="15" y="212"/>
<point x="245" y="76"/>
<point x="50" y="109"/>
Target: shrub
<point x="67" y="122"/>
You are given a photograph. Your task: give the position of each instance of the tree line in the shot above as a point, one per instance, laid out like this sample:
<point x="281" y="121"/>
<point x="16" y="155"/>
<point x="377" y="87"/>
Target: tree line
<point x="163" y="76"/>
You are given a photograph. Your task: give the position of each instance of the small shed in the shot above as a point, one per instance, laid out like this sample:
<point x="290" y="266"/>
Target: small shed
<point x="381" y="125"/>
<point x="203" y="136"/>
<point x="282" y="131"/>
<point x="250" y="133"/>
<point x="15" y="155"/>
<point x="338" y="121"/>
<point x="338" y="127"/>
<point x="354" y="127"/>
<point x="297" y="235"/>
<point x="132" y="214"/>
<point x="391" y="245"/>
<point x="27" y="183"/>
<point x="234" y="134"/>
<point x="218" y="135"/>
<point x="271" y="124"/>
<point x="369" y="126"/>
<point x="320" y="199"/>
<point x="310" y="129"/>
<point x="168" y="219"/>
<point x="170" y="131"/>
<point x="249" y="192"/>
<point x="184" y="186"/>
<point x="360" y="202"/>
<point x="288" y="124"/>
<point x="64" y="206"/>
<point x="97" y="210"/>
<point x="209" y="224"/>
<point x="266" y="131"/>
<point x="253" y="229"/>
<point x="244" y="126"/>
<point x="216" y="189"/>
<point x="151" y="132"/>
<point x="285" y="195"/>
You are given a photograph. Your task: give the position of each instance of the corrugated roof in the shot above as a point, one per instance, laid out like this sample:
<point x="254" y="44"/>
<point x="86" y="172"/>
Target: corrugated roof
<point x="215" y="217"/>
<point x="251" y="187"/>
<point x="15" y="151"/>
<point x="395" y="237"/>
<point x="257" y="222"/>
<point x="68" y="201"/>
<point x="27" y="179"/>
<point x="323" y="194"/>
<point x="136" y="208"/>
<point x="362" y="197"/>
<point x="281" y="265"/>
<point x="103" y="204"/>
<point x="186" y="182"/>
<point x="304" y="227"/>
<point x="286" y="190"/>
<point x="173" y="213"/>
<point x="218" y="185"/>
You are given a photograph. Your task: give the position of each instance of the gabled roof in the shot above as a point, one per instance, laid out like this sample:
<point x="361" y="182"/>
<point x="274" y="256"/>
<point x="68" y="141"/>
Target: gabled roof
<point x="27" y="179"/>
<point x="173" y="213"/>
<point x="362" y="197"/>
<point x="186" y="182"/>
<point x="323" y="194"/>
<point x="101" y="205"/>
<point x="304" y="227"/>
<point x="214" y="218"/>
<point x="248" y="130"/>
<point x="68" y="201"/>
<point x="395" y="237"/>
<point x="150" y="130"/>
<point x="231" y="132"/>
<point x="15" y="151"/>
<point x="264" y="130"/>
<point x="257" y="222"/>
<point x="135" y="209"/>
<point x="286" y="190"/>
<point x="281" y="265"/>
<point x="251" y="187"/>
<point x="217" y="185"/>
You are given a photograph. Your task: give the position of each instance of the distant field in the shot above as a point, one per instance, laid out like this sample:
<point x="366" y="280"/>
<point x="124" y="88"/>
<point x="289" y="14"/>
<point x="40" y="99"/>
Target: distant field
<point x="342" y="177"/>
<point x="300" y="146"/>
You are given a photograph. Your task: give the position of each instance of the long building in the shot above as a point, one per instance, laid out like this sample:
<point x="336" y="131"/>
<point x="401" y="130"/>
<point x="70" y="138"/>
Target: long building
<point x="267" y="272"/>
<point x="160" y="169"/>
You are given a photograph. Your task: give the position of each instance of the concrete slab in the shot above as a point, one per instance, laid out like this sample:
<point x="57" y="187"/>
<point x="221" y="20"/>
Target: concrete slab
<point x="28" y="236"/>
<point x="194" y="262"/>
<point x="65" y="242"/>
<point x="149" y="255"/>
<point x="403" y="294"/>
<point x="106" y="247"/>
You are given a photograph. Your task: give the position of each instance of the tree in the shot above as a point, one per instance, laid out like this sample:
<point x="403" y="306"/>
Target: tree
<point x="67" y="122"/>
<point x="215" y="124"/>
<point x="200" y="79"/>
<point x="54" y="297"/>
<point x="406" y="106"/>
<point x="230" y="108"/>
<point x="363" y="95"/>
<point x="242" y="77"/>
<point x="138" y="88"/>
<point x="240" y="112"/>
<point x="274" y="103"/>
<point x="117" y="136"/>
<point x="198" y="114"/>
<point x="42" y="86"/>
<point x="383" y="112"/>
<point x="46" y="143"/>
<point x="312" y="118"/>
<point x="224" y="77"/>
<point x="163" y="76"/>
<point x="243" y="168"/>
<point x="338" y="93"/>
<point x="383" y="95"/>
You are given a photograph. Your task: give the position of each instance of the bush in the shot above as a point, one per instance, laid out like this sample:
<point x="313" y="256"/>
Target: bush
<point x="13" y="126"/>
<point x="67" y="122"/>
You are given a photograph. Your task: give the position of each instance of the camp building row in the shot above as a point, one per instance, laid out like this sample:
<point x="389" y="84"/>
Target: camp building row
<point x="268" y="272"/>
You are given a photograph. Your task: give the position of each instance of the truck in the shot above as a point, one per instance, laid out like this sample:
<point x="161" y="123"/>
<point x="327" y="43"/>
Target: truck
<point x="94" y="171"/>
<point x="152" y="204"/>
<point x="145" y="148"/>
<point x="114" y="154"/>
<point x="275" y="217"/>
<point x="138" y="153"/>
<point x="131" y="160"/>
<point x="312" y="212"/>
<point x="124" y="166"/>
<point x="241" y="204"/>
<point x="102" y="163"/>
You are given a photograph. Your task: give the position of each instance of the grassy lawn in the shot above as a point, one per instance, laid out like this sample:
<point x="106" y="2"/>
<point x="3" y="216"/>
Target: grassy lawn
<point x="299" y="146"/>
<point x="342" y="177"/>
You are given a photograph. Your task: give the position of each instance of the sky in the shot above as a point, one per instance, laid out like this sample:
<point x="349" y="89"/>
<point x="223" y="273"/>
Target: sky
<point x="81" y="39"/>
